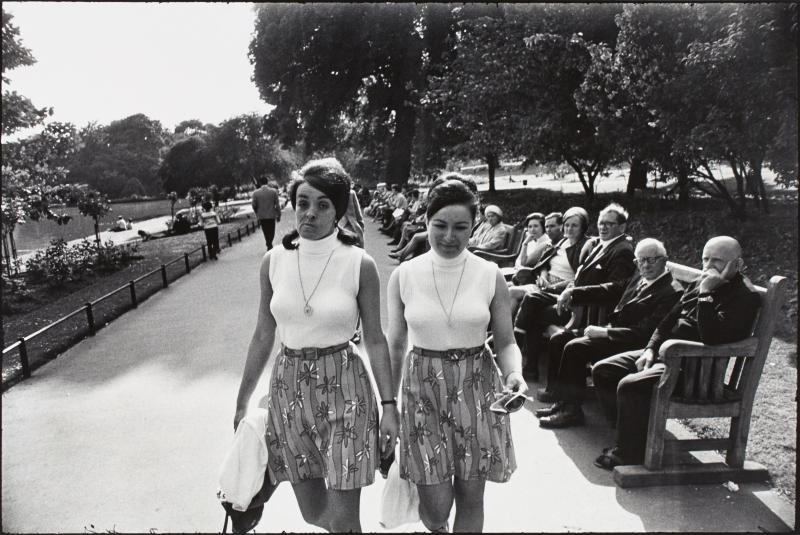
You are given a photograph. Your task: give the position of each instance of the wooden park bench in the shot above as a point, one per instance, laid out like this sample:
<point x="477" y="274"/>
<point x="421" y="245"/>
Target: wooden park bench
<point x="717" y="381"/>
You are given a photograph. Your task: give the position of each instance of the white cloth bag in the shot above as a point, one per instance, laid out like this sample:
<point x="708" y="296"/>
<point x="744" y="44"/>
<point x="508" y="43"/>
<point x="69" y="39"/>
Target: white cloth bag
<point x="400" y="501"/>
<point x="242" y="472"/>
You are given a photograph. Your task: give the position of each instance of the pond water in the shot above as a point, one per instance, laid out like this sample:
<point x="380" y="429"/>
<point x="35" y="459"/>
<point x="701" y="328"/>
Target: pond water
<point x="34" y="235"/>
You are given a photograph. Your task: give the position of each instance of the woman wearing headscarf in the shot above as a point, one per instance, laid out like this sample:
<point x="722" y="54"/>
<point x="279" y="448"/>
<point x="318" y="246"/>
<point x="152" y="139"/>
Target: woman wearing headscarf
<point x="323" y="429"/>
<point x="441" y="304"/>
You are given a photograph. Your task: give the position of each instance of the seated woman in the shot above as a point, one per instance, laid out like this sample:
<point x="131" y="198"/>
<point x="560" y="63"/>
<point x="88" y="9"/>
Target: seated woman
<point x="534" y="243"/>
<point x="557" y="263"/>
<point x="491" y="235"/>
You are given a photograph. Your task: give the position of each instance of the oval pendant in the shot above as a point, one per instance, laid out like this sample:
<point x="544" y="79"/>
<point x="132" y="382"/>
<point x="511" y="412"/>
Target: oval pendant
<point x="307" y="310"/>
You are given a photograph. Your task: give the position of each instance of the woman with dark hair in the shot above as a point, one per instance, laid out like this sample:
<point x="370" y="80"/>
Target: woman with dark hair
<point x="535" y="241"/>
<point x="441" y="304"/>
<point x="323" y="431"/>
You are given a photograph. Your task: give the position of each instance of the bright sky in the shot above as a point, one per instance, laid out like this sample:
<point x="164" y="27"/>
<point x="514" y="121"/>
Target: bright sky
<point x="105" y="61"/>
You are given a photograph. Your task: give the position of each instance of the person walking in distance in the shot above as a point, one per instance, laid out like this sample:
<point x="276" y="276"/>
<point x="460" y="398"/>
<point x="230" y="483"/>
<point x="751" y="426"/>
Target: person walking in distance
<point x="210" y="220"/>
<point x="323" y="433"/>
<point x="267" y="207"/>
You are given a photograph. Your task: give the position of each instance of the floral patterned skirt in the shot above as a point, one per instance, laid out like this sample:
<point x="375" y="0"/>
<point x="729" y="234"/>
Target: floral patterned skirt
<point x="323" y="420"/>
<point x="446" y="427"/>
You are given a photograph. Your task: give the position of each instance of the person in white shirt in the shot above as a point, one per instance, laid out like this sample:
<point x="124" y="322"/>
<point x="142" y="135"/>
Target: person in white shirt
<point x="441" y="304"/>
<point x="323" y="434"/>
<point x="210" y="220"/>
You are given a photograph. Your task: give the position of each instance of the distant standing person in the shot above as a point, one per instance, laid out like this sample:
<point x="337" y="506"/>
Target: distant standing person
<point x="210" y="220"/>
<point x="267" y="208"/>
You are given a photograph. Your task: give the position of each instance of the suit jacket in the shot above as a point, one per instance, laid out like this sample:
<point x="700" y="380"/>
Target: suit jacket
<point x="265" y="203"/>
<point x="727" y="317"/>
<point x="613" y="263"/>
<point x="637" y="311"/>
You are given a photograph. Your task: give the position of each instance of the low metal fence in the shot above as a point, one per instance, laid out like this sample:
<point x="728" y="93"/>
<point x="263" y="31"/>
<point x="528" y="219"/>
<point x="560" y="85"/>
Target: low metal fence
<point x="33" y="351"/>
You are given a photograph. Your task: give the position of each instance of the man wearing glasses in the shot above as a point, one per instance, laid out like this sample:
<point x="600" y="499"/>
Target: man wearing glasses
<point x="610" y="259"/>
<point x="640" y="304"/>
<point x="719" y="307"/>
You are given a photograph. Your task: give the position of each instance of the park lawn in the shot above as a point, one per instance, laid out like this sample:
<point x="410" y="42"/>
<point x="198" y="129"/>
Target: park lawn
<point x="770" y="248"/>
<point x="48" y="305"/>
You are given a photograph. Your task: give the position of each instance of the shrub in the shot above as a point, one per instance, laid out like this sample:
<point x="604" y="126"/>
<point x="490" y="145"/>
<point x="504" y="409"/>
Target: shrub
<point x="59" y="263"/>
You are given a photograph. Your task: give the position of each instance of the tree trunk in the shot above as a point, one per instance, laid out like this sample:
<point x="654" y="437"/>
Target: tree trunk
<point x="683" y="184"/>
<point x="7" y="254"/>
<point x="398" y="165"/>
<point x="97" y="231"/>
<point x="758" y="181"/>
<point x="492" y="161"/>
<point x="637" y="178"/>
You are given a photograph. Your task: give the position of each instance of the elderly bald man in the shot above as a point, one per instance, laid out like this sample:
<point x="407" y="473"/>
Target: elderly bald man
<point x="640" y="303"/>
<point x="718" y="308"/>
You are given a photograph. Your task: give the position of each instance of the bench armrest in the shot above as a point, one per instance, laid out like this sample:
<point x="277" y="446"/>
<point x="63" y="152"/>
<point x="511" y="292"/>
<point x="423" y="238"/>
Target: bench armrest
<point x="673" y="349"/>
<point x="498" y="258"/>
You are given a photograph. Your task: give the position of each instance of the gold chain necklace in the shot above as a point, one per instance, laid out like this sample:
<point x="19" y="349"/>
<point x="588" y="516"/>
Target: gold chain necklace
<point x="449" y="315"/>
<point x="307" y="310"/>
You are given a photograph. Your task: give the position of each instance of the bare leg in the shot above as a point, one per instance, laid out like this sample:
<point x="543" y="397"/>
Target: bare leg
<point x="344" y="511"/>
<point x="312" y="498"/>
<point x="469" y="505"/>
<point x="435" y="502"/>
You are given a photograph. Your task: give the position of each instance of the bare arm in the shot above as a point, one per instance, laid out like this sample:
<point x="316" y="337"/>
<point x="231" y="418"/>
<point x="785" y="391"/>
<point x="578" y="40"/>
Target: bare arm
<point x="369" y="306"/>
<point x="260" y="345"/>
<point x="398" y="330"/>
<point x="508" y="355"/>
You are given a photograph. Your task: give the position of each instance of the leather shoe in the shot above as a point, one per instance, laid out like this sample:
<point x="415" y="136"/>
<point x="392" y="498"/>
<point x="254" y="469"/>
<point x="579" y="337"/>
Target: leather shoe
<point x="394" y="255"/>
<point x="569" y="416"/>
<point x="549" y="411"/>
<point x="393" y="242"/>
<point x="545" y="396"/>
<point x="609" y="459"/>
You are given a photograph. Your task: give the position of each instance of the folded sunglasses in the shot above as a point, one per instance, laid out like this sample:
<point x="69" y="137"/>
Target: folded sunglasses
<point x="509" y="401"/>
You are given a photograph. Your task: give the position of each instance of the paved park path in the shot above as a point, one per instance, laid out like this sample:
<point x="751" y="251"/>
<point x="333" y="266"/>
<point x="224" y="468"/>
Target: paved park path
<point x="125" y="432"/>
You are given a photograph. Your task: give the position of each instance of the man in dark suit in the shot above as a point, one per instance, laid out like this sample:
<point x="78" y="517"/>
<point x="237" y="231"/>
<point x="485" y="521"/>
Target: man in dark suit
<point x="641" y="302"/>
<point x="720" y="307"/>
<point x="609" y="259"/>
<point x="267" y="208"/>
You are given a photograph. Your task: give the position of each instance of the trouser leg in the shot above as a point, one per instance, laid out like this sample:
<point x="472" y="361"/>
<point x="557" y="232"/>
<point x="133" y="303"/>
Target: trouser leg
<point x="634" y="395"/>
<point x="606" y="376"/>
<point x="268" y="228"/>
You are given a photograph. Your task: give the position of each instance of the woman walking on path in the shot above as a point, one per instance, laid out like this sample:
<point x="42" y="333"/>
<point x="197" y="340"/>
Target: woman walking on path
<point x="211" y="222"/>
<point x="323" y="431"/>
<point x="441" y="303"/>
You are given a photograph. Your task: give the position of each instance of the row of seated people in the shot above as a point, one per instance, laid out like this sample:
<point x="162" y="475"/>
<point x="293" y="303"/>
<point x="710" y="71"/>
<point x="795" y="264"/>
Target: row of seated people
<point x="647" y="308"/>
<point x="405" y="222"/>
<point x="560" y="266"/>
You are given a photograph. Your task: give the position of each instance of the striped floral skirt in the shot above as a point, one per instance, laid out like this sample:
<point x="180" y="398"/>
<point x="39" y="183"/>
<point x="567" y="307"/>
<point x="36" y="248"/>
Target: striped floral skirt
<point x="323" y="418"/>
<point x="446" y="427"/>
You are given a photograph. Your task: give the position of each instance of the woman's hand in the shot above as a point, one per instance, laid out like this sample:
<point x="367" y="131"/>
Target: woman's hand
<point x="389" y="428"/>
<point x="515" y="382"/>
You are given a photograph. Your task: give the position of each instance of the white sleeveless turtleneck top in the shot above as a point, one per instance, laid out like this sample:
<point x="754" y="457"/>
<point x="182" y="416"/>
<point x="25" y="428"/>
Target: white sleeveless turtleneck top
<point x="427" y="322"/>
<point x="334" y="304"/>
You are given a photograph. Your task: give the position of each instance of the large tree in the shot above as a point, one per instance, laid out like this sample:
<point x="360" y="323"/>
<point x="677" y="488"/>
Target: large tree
<point x="352" y="75"/>
<point x="111" y="156"/>
<point x="18" y="111"/>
